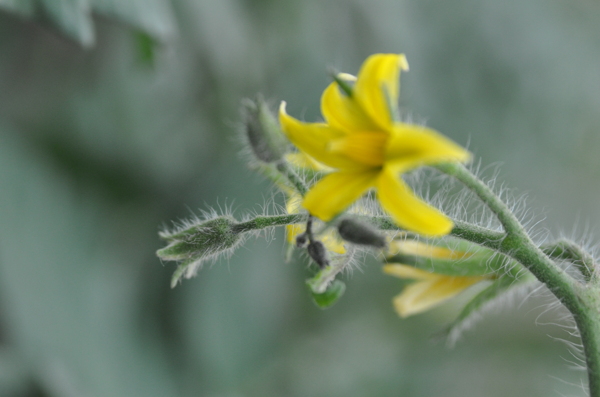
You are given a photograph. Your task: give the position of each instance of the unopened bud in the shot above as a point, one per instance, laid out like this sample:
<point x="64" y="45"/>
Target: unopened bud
<point x="195" y="244"/>
<point x="301" y="240"/>
<point x="264" y="135"/>
<point x="318" y="253"/>
<point x="361" y="233"/>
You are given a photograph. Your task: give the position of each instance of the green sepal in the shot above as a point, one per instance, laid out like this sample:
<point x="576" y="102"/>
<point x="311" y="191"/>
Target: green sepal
<point x="347" y="88"/>
<point x="179" y="272"/>
<point x="179" y="250"/>
<point x="331" y="295"/>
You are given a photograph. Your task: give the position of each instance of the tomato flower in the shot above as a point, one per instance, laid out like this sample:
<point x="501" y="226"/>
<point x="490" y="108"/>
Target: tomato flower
<point x="367" y="147"/>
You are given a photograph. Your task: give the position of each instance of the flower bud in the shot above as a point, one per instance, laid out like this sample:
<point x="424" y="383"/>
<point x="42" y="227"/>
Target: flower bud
<point x="262" y="130"/>
<point x="361" y="233"/>
<point x="195" y="244"/>
<point x="318" y="253"/>
<point x="301" y="240"/>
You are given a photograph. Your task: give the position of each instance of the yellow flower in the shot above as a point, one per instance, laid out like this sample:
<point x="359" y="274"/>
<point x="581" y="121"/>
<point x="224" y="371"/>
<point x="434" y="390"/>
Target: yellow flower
<point x="429" y="289"/>
<point x="368" y="148"/>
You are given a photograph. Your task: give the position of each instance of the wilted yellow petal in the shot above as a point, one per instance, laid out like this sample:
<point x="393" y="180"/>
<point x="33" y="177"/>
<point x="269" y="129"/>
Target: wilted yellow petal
<point x="407" y="210"/>
<point x="407" y="272"/>
<point x="292" y="204"/>
<point x="377" y="86"/>
<point x="417" y="248"/>
<point x="292" y="231"/>
<point x="303" y="160"/>
<point x="411" y="145"/>
<point x="424" y="295"/>
<point x="336" y="191"/>
<point x="314" y="138"/>
<point x="367" y="148"/>
<point x="333" y="242"/>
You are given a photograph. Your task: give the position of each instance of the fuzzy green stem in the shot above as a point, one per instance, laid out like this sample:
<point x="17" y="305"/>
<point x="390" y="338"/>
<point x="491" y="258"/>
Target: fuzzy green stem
<point x="582" y="302"/>
<point x="568" y="250"/>
<point x="516" y="243"/>
<point x="262" y="222"/>
<point x="292" y="177"/>
<point x="511" y="224"/>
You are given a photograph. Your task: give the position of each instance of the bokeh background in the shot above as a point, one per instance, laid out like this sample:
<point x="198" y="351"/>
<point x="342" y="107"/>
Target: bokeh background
<point x="119" y="116"/>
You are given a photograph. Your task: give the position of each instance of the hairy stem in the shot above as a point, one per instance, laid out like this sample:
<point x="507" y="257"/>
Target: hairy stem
<point x="582" y="301"/>
<point x="262" y="222"/>
<point x="568" y="250"/>
<point x="292" y="177"/>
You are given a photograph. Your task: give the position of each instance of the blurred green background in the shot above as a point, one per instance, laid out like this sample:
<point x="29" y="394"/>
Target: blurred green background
<point x="119" y="116"/>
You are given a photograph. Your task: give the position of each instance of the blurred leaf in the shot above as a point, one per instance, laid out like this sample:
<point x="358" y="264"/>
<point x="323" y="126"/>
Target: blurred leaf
<point x="145" y="47"/>
<point x="23" y="7"/>
<point x="154" y="17"/>
<point x="74" y="17"/>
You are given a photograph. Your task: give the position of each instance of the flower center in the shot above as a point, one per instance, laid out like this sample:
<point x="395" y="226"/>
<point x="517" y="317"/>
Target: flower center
<point x="367" y="148"/>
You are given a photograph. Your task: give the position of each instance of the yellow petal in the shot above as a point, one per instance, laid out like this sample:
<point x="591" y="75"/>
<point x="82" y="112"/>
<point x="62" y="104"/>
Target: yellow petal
<point x="378" y="85"/>
<point x="411" y="145"/>
<point x="292" y="231"/>
<point x="424" y="295"/>
<point x="336" y="191"/>
<point x="303" y="160"/>
<point x="343" y="112"/>
<point x="292" y="205"/>
<point x="333" y="243"/>
<point x="407" y="272"/>
<point x="417" y="248"/>
<point x="407" y="210"/>
<point x="314" y="138"/>
<point x="367" y="148"/>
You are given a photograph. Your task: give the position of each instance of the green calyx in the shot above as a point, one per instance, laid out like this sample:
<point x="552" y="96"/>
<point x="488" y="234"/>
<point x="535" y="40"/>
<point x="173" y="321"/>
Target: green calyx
<point x="195" y="244"/>
<point x="262" y="131"/>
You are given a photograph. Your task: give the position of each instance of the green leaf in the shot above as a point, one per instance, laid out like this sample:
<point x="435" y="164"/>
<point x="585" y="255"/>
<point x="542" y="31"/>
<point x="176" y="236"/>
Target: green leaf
<point x="74" y="17"/>
<point x="330" y="296"/>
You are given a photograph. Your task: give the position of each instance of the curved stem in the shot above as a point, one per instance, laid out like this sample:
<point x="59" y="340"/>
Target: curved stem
<point x="582" y="301"/>
<point x="568" y="250"/>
